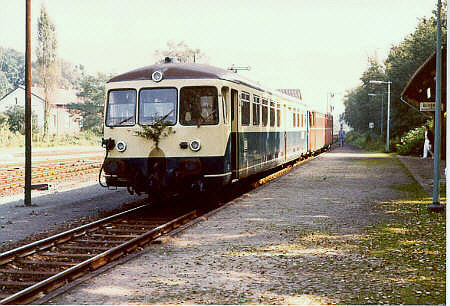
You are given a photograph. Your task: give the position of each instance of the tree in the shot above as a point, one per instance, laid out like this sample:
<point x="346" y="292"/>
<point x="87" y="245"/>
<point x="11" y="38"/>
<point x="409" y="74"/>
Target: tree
<point x="403" y="60"/>
<point x="359" y="108"/>
<point x="180" y="52"/>
<point x="5" y="86"/>
<point x="70" y="74"/>
<point x="12" y="65"/>
<point x="93" y="92"/>
<point x="46" y="61"/>
<point x="15" y="117"/>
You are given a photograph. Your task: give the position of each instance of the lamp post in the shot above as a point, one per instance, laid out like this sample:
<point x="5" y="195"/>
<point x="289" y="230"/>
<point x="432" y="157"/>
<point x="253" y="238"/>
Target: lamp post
<point x="382" y="103"/>
<point x="436" y="205"/>
<point x="388" y="109"/>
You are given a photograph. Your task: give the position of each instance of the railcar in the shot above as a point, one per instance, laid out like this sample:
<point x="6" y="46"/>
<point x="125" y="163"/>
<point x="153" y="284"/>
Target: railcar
<point x="215" y="128"/>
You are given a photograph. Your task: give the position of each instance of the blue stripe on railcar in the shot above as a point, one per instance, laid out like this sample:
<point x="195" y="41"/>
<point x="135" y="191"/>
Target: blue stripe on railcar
<point x="259" y="151"/>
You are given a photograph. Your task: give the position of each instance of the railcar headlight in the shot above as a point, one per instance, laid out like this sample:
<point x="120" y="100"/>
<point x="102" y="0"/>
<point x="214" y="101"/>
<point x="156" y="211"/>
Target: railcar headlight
<point x="121" y="146"/>
<point x="157" y="76"/>
<point x="194" y="145"/>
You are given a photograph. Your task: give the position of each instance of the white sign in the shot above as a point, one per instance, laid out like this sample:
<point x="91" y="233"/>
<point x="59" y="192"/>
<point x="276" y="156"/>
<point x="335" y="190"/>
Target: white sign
<point x="371" y="125"/>
<point x="427" y="106"/>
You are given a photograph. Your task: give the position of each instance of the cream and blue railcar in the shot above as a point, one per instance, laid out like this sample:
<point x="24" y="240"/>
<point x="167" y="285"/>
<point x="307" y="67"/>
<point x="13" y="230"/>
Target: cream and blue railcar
<point x="225" y="128"/>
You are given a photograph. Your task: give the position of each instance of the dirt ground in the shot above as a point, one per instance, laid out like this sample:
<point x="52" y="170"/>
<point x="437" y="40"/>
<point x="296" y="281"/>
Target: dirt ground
<point x="284" y="242"/>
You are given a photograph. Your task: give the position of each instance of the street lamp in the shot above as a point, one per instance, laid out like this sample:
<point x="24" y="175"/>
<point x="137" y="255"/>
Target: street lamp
<point x="382" y="103"/>
<point x="388" y="110"/>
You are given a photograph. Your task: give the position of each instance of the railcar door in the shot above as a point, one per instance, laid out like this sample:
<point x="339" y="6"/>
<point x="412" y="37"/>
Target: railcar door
<point x="309" y="133"/>
<point x="284" y="125"/>
<point x="234" y="134"/>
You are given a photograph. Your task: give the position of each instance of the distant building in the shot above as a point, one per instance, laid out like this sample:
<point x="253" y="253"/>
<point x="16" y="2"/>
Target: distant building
<point x="61" y="121"/>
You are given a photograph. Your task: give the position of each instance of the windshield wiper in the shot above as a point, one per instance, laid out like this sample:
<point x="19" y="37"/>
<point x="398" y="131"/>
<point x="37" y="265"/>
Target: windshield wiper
<point x="125" y="120"/>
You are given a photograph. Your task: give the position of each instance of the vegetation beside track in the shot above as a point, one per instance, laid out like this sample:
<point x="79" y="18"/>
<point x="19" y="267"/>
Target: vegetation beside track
<point x="11" y="140"/>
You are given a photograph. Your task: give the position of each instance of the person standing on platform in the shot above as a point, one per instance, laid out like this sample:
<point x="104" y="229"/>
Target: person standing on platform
<point x="341" y="137"/>
<point x="428" y="143"/>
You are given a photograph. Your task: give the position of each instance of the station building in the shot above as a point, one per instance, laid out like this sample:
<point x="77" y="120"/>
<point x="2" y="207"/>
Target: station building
<point x="420" y="92"/>
<point x="61" y="121"/>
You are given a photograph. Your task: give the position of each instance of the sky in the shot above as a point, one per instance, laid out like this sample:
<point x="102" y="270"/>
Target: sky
<point x="317" y="46"/>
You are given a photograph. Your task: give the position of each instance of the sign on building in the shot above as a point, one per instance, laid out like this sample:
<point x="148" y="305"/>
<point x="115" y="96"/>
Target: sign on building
<point x="427" y="106"/>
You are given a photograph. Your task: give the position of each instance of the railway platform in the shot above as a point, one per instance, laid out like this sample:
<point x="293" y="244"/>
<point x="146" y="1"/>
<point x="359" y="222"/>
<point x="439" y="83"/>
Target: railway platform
<point x="284" y="242"/>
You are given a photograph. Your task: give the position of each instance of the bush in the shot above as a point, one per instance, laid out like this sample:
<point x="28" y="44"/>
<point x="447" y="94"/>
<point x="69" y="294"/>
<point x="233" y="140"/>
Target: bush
<point x="8" y="137"/>
<point x="411" y="143"/>
<point x="366" y="141"/>
<point x="15" y="116"/>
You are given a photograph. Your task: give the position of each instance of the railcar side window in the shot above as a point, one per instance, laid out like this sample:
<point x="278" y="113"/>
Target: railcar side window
<point x="265" y="112"/>
<point x="245" y="108"/>
<point x="121" y="107"/>
<point x="256" y="110"/>
<point x="198" y="105"/>
<point x="278" y="115"/>
<point x="158" y="104"/>
<point x="272" y="113"/>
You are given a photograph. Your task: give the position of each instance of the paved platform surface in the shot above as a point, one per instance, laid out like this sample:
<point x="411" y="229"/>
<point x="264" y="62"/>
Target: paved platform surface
<point x="265" y="247"/>
<point x="423" y="170"/>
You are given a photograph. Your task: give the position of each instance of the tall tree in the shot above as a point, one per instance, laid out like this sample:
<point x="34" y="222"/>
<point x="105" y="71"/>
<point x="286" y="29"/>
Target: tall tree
<point x="47" y="64"/>
<point x="180" y="52"/>
<point x="93" y="92"/>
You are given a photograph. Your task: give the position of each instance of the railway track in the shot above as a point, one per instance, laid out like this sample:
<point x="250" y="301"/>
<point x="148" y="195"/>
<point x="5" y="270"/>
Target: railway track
<point x="31" y="271"/>
<point x="12" y="178"/>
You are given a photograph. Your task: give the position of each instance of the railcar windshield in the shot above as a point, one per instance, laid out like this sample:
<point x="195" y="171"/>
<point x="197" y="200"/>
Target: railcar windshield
<point x="158" y="104"/>
<point x="198" y="105"/>
<point x="121" y="107"/>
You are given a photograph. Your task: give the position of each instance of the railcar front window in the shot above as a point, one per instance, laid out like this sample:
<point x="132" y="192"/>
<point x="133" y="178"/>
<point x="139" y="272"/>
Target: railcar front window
<point x="198" y="105"/>
<point x="121" y="107"/>
<point x="157" y="104"/>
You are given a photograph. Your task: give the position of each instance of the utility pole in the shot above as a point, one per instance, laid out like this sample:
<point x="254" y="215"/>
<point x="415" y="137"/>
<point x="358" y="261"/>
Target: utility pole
<point x="27" y="201"/>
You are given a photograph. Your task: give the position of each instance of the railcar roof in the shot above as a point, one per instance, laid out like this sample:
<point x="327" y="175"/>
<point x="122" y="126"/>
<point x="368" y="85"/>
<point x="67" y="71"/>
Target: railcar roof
<point x="174" y="71"/>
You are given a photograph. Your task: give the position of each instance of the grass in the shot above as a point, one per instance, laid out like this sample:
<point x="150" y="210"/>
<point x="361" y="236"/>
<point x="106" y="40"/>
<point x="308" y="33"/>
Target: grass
<point x="9" y="140"/>
<point x="412" y="248"/>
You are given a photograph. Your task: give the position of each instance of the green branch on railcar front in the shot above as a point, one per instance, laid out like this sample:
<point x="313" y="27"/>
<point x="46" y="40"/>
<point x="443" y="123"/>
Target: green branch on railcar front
<point x="154" y="132"/>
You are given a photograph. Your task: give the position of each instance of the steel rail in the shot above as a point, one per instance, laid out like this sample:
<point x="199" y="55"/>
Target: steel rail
<point x="41" y="288"/>
<point x="46" y="243"/>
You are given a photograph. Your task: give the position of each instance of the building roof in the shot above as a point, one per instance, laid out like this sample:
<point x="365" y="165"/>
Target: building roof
<point x="296" y="93"/>
<point x="424" y="79"/>
<point x="57" y="96"/>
